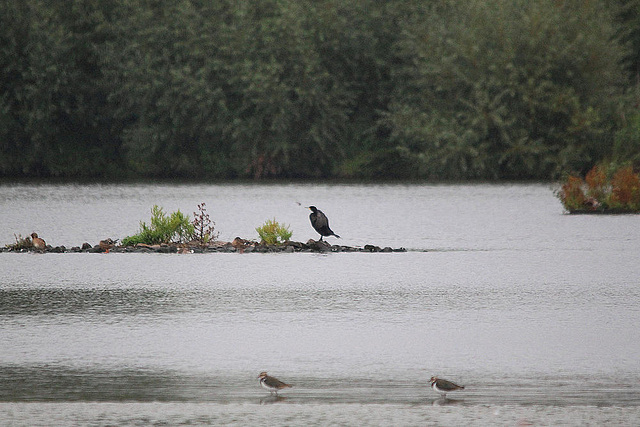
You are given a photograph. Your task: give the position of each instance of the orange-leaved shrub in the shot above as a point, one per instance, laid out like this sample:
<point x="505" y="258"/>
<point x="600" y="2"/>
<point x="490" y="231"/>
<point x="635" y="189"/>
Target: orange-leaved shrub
<point x="572" y="193"/>
<point x="601" y="191"/>
<point x="625" y="189"/>
<point x="596" y="180"/>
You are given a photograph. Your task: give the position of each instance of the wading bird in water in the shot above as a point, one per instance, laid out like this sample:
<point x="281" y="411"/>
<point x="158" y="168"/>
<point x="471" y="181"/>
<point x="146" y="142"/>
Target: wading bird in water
<point x="272" y="384"/>
<point x="443" y="386"/>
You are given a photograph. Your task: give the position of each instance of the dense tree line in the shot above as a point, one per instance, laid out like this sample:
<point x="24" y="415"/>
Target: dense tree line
<point x="440" y="89"/>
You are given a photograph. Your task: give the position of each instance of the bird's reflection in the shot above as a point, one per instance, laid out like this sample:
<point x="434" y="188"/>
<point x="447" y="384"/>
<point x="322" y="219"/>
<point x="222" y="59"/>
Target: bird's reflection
<point x="444" y="401"/>
<point x="272" y="399"/>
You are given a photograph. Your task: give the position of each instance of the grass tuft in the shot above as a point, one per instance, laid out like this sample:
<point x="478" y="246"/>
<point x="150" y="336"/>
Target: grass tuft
<point x="273" y="233"/>
<point x="175" y="228"/>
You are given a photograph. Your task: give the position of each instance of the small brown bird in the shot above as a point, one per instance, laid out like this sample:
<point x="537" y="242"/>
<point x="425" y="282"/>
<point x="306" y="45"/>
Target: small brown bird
<point x="443" y="386"/>
<point x="107" y="244"/>
<point x="241" y="244"/>
<point x="272" y="384"/>
<point x="38" y="243"/>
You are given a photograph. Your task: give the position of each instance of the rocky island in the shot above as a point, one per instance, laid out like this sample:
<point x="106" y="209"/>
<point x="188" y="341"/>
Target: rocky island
<point x="238" y="245"/>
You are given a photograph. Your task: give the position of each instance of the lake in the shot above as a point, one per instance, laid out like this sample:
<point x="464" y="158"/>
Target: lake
<point x="534" y="311"/>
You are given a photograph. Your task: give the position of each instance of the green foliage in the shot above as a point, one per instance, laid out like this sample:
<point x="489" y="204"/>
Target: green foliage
<point x="444" y="89"/>
<point x="273" y="233"/>
<point x="495" y="89"/>
<point x="53" y="105"/>
<point x="175" y="228"/>
<point x="626" y="146"/>
<point x="21" y="243"/>
<point x="628" y="15"/>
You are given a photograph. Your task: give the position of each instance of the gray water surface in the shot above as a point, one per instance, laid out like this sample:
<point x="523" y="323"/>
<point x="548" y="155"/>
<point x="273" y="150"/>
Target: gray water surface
<point x="536" y="312"/>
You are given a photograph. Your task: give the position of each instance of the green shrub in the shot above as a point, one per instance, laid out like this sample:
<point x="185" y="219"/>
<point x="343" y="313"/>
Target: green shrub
<point x="163" y="229"/>
<point x="494" y="89"/>
<point x="272" y="233"/>
<point x="21" y="243"/>
<point x="626" y="145"/>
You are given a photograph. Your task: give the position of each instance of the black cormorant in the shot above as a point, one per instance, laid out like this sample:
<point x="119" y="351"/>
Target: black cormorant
<point x="320" y="223"/>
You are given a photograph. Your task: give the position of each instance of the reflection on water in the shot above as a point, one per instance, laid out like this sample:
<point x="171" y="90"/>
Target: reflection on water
<point x="272" y="399"/>
<point x="55" y="383"/>
<point x="63" y="384"/>
<point x="528" y="308"/>
<point x="86" y="303"/>
<point x="446" y="401"/>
